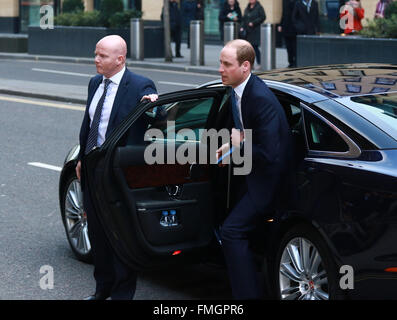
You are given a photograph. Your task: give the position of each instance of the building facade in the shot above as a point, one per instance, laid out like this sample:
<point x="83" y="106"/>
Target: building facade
<point x="17" y="15"/>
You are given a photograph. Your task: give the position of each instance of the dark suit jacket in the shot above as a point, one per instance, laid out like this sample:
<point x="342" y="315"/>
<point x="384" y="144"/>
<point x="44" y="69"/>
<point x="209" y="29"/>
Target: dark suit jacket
<point x="286" y="20"/>
<point x="305" y="22"/>
<point x="131" y="89"/>
<point x="271" y="141"/>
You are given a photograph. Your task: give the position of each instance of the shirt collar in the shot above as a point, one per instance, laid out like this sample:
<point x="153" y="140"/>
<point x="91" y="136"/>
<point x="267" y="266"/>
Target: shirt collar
<point x="240" y="88"/>
<point x="116" y="79"/>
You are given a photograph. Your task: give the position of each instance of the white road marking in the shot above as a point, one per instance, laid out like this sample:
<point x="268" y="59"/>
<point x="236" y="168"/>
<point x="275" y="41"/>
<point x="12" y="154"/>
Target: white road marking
<point x="63" y="72"/>
<point x="45" y="166"/>
<point x="179" y="84"/>
<point x="187" y="73"/>
<point x="90" y="75"/>
<point x="43" y="103"/>
<point x="197" y="74"/>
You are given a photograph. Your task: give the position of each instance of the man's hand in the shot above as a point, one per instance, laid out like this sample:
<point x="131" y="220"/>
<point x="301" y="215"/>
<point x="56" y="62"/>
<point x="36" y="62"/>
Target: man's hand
<point x="152" y="97"/>
<point x="225" y="148"/>
<point x="237" y="136"/>
<point x="78" y="170"/>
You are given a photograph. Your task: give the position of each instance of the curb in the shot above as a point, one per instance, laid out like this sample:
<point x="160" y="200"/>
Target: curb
<point x="129" y="63"/>
<point x="43" y="96"/>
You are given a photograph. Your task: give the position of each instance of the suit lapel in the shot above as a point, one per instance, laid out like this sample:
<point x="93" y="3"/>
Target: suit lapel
<point x="86" y="120"/>
<point x="245" y="101"/>
<point x="118" y="100"/>
<point x="96" y="84"/>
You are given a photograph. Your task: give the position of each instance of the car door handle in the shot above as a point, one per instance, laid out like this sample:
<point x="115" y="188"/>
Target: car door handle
<point x="195" y="172"/>
<point x="174" y="191"/>
<point x="311" y="170"/>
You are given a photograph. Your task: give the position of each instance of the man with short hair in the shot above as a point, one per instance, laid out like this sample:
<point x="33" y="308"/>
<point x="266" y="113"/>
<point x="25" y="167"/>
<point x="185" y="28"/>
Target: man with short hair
<point x="111" y="96"/>
<point x="254" y="107"/>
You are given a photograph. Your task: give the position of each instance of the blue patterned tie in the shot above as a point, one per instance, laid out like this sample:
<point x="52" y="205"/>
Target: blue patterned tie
<point x="92" y="139"/>
<point x="235" y="111"/>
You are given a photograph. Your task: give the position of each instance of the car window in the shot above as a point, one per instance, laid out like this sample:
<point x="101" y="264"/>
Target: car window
<point x="321" y="137"/>
<point x="189" y="114"/>
<point x="292" y="109"/>
<point x="379" y="109"/>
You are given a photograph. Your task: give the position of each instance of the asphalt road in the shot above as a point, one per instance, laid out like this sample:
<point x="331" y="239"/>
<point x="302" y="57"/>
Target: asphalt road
<point x="79" y="74"/>
<point x="31" y="231"/>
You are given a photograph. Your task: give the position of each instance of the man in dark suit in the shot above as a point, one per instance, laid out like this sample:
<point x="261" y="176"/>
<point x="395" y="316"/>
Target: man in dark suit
<point x="111" y="96"/>
<point x="175" y="26"/>
<point x="255" y="108"/>
<point x="288" y="30"/>
<point x="305" y="17"/>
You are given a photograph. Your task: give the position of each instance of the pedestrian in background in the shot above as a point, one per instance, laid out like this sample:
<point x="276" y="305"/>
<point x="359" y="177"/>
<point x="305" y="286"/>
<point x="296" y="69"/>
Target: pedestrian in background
<point x="354" y="16"/>
<point x="200" y="10"/>
<point x="254" y="16"/>
<point x="380" y="8"/>
<point x="189" y="13"/>
<point x="175" y="26"/>
<point x="288" y="31"/>
<point x="305" y="17"/>
<point x="112" y="94"/>
<point x="230" y="12"/>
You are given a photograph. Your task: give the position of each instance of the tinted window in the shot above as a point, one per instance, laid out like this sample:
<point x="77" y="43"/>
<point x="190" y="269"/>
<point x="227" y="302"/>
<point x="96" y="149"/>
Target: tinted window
<point x="291" y="106"/>
<point x="188" y="114"/>
<point x="380" y="109"/>
<point x="321" y="137"/>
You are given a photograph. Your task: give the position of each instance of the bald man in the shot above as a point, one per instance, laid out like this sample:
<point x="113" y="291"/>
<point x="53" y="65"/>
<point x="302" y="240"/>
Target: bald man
<point x="112" y="94"/>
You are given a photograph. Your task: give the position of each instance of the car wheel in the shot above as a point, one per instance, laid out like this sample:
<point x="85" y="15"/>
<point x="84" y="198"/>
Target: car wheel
<point x="304" y="267"/>
<point x="75" y="219"/>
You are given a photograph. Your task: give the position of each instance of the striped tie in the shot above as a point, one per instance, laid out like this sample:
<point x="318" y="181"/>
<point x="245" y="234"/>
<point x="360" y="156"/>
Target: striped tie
<point x="92" y="140"/>
<point x="235" y="111"/>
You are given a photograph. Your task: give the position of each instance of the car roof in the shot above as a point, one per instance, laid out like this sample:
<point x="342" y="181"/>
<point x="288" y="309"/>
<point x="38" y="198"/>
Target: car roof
<point x="334" y="81"/>
<point x="318" y="83"/>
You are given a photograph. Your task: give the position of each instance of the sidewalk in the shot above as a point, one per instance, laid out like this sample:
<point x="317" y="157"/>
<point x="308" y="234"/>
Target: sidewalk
<point x="211" y="60"/>
<point x="77" y="94"/>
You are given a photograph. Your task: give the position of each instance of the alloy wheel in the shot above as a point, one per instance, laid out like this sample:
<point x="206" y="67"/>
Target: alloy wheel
<point x="76" y="219"/>
<point x="302" y="275"/>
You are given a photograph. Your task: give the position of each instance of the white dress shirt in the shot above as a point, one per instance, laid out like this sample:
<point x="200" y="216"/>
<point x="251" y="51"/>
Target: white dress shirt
<point x="239" y="90"/>
<point x="107" y="105"/>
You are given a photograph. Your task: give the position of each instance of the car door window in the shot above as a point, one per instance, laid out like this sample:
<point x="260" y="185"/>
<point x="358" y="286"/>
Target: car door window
<point x="293" y="112"/>
<point x="292" y="109"/>
<point x="321" y="137"/>
<point x="188" y="114"/>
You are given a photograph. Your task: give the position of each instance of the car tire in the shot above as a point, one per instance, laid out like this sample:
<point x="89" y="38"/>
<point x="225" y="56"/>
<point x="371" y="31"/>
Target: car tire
<point x="304" y="268"/>
<point x="75" y="219"/>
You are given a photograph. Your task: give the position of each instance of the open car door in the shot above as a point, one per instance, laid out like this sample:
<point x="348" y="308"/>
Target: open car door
<point x="153" y="212"/>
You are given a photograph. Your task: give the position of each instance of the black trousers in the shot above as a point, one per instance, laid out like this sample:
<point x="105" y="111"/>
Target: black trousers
<point x="257" y="53"/>
<point x="113" y="278"/>
<point x="244" y="278"/>
<point x="176" y="35"/>
<point x="290" y="43"/>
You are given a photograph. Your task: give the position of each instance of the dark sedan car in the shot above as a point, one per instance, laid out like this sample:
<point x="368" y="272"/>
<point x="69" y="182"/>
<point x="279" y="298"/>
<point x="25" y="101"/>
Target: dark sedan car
<point x="335" y="235"/>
